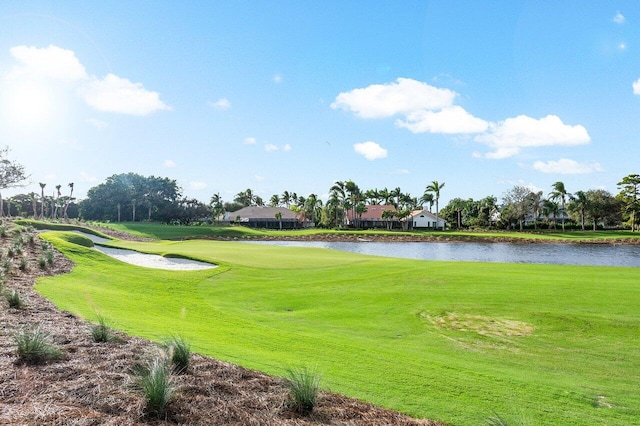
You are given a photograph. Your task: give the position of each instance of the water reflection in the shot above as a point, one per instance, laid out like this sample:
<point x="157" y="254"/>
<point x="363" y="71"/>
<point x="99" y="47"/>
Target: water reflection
<point x="560" y="254"/>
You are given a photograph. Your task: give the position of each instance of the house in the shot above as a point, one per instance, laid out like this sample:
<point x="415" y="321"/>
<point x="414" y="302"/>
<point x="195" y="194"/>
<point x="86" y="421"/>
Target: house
<point x="372" y="217"/>
<point x="422" y="219"/>
<point x="266" y="217"/>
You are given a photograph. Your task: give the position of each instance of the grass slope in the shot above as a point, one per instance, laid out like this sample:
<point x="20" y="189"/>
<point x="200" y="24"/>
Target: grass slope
<point x="443" y="340"/>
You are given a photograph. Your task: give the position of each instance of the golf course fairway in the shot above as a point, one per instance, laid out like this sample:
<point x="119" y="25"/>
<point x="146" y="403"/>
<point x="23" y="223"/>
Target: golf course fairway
<point x="451" y="341"/>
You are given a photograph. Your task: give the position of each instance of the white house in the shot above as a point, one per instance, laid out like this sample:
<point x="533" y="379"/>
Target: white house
<point x="425" y="219"/>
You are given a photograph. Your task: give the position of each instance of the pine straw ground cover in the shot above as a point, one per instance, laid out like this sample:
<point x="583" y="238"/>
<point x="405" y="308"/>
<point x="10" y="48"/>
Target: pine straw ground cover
<point x="93" y="383"/>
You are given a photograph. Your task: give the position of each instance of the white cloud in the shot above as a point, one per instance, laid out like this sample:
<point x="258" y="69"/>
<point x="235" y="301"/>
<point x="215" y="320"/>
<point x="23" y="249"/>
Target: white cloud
<point x="565" y="166"/>
<point x="277" y="79"/>
<point x="370" y="150"/>
<point x="259" y="178"/>
<point x="619" y="18"/>
<point x="451" y="120"/>
<point x="197" y="186"/>
<point x="402" y="172"/>
<point x="508" y="137"/>
<point x="220" y="104"/>
<point x="636" y="87"/>
<point x="270" y="147"/>
<point x="51" y="62"/>
<point x="622" y="46"/>
<point x="286" y="148"/>
<point x="169" y="163"/>
<point x="249" y="141"/>
<point x="115" y="94"/>
<point x="72" y="144"/>
<point x="403" y="96"/>
<point x="98" y="124"/>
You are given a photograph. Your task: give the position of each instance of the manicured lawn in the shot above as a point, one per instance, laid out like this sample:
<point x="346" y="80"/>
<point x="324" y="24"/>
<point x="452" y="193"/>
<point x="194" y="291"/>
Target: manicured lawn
<point x="445" y="340"/>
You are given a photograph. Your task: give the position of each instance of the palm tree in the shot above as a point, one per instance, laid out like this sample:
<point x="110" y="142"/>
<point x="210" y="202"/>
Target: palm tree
<point x="133" y="210"/>
<point x="435" y="188"/>
<point x="580" y="204"/>
<point x="54" y="214"/>
<point x="42" y="185"/>
<point x="279" y="219"/>
<point x="286" y="198"/>
<point x="427" y="198"/>
<point x="66" y="205"/>
<point x="535" y="198"/>
<point x="338" y="196"/>
<point x="274" y="201"/>
<point x="559" y="193"/>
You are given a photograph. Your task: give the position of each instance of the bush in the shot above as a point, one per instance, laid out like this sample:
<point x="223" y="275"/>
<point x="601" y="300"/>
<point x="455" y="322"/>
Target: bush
<point x="303" y="386"/>
<point x="42" y="263"/>
<point x="101" y="332"/>
<point x="24" y="264"/>
<point x="157" y="388"/>
<point x="49" y="257"/>
<point x="13" y="297"/>
<point x="179" y="352"/>
<point x="34" y="347"/>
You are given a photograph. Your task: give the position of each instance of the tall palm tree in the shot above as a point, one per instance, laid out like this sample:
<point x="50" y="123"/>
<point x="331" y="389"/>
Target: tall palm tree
<point x="535" y="199"/>
<point x="55" y="207"/>
<point x="42" y="185"/>
<point x="427" y="198"/>
<point x="435" y="188"/>
<point x="274" y="201"/>
<point x="559" y="193"/>
<point x="66" y="204"/>
<point x="337" y="196"/>
<point x="286" y="198"/>
<point x="580" y="204"/>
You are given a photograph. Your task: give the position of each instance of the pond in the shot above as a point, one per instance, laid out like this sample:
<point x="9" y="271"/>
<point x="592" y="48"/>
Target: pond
<point x="560" y="254"/>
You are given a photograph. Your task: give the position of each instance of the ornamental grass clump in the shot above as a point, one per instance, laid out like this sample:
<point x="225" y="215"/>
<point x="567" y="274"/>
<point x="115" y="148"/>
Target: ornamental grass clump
<point x="155" y="383"/>
<point x="179" y="352"/>
<point x="24" y="264"/>
<point x="13" y="297"/>
<point x="102" y="332"/>
<point x="34" y="347"/>
<point x="303" y="384"/>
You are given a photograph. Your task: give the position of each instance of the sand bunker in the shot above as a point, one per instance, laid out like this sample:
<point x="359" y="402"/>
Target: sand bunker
<point x="147" y="260"/>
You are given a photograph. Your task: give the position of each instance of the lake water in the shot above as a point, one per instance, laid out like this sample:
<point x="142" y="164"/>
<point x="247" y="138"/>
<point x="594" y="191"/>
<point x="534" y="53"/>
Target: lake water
<point x="560" y="254"/>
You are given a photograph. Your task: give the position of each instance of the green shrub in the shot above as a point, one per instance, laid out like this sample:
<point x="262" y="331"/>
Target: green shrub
<point x="49" y="256"/>
<point x="42" y="262"/>
<point x="10" y="252"/>
<point x="157" y="388"/>
<point x="34" y="347"/>
<point x="303" y="384"/>
<point x="179" y="352"/>
<point x="101" y="332"/>
<point x="4" y="232"/>
<point x="7" y="266"/>
<point x="24" y="264"/>
<point x="13" y="297"/>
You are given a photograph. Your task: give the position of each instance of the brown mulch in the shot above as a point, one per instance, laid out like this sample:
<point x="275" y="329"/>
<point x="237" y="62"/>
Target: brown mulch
<point x="93" y="383"/>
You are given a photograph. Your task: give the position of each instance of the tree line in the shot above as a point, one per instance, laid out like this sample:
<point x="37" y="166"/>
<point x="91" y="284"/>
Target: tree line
<point x="132" y="197"/>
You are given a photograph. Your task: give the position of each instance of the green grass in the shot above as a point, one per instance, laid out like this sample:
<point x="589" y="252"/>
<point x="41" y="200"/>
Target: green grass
<point x="451" y="341"/>
<point x="169" y="232"/>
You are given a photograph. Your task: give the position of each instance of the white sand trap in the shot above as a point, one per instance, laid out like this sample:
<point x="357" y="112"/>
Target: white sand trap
<point x="147" y="260"/>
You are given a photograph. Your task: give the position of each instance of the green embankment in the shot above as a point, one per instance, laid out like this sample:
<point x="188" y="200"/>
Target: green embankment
<point x="444" y="340"/>
<point x="166" y="232"/>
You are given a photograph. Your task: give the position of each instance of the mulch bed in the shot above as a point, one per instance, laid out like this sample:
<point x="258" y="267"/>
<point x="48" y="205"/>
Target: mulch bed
<point x="93" y="383"/>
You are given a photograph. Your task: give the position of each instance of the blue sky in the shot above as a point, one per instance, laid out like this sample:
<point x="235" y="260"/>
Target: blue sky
<point x="293" y="95"/>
